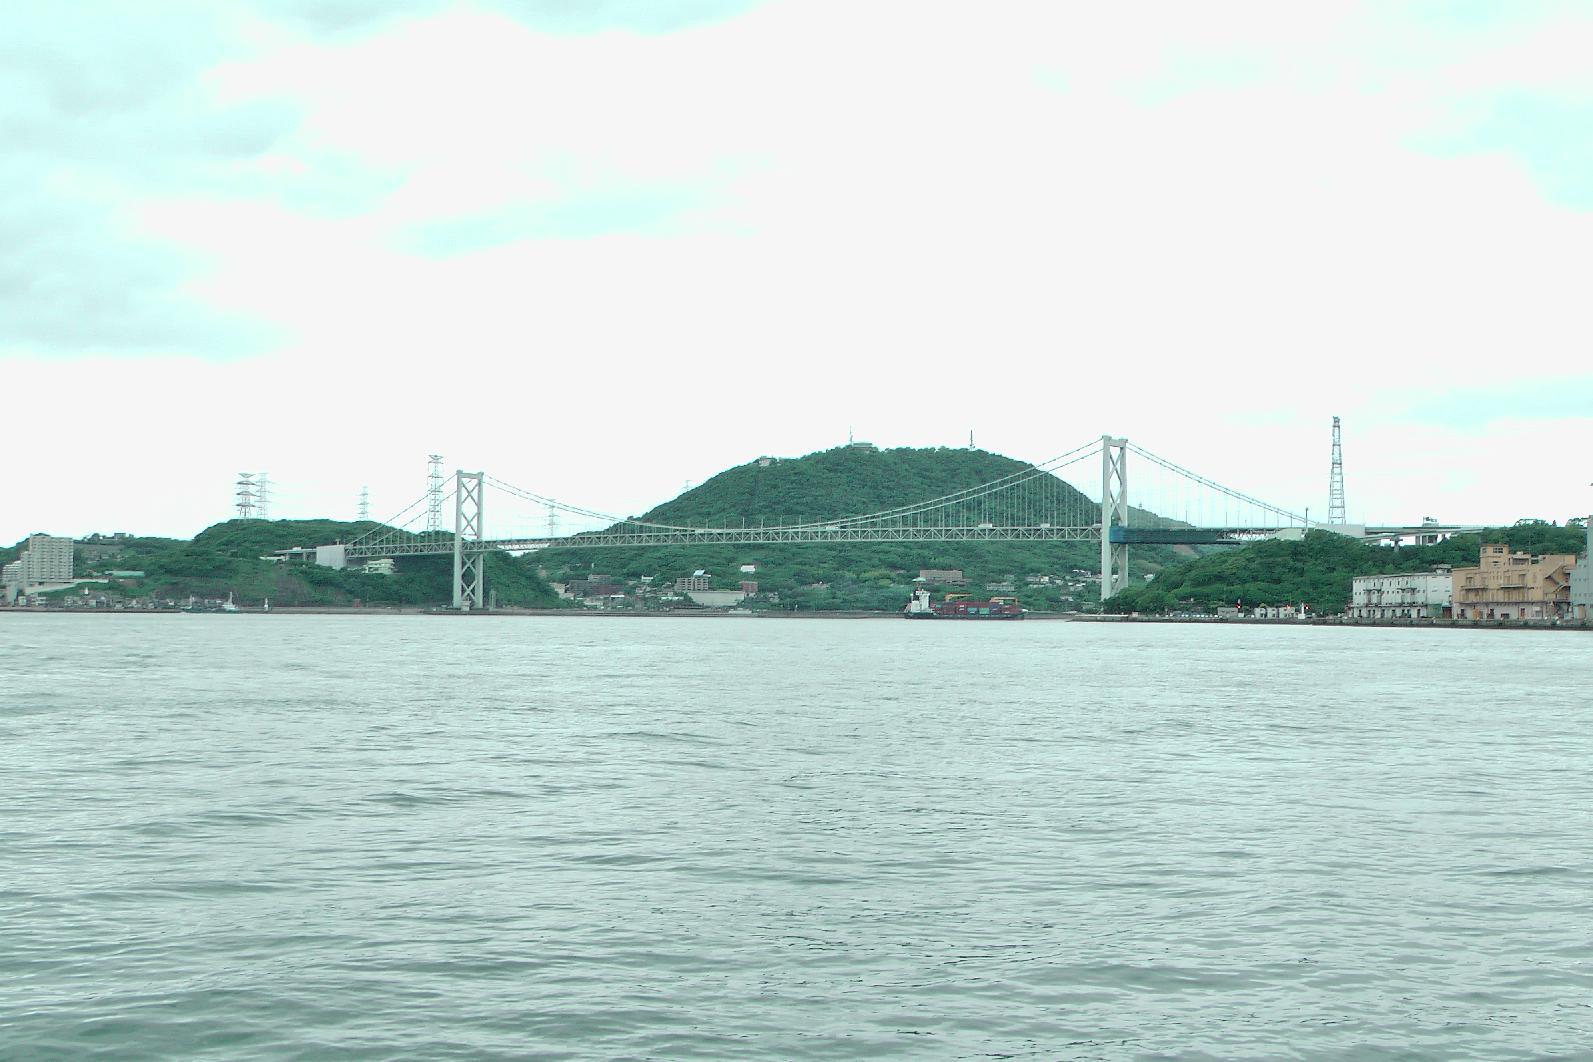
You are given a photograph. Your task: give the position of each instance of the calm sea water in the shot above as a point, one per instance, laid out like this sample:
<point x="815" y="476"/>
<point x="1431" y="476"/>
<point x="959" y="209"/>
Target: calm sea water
<point x="240" y="837"/>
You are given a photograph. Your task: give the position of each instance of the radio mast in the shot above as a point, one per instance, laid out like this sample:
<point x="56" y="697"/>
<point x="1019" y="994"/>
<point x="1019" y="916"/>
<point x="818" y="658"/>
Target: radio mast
<point x="1336" y="480"/>
<point x="434" y="493"/>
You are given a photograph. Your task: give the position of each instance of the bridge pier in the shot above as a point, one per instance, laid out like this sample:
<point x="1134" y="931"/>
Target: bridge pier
<point x="1114" y="506"/>
<point x="470" y="556"/>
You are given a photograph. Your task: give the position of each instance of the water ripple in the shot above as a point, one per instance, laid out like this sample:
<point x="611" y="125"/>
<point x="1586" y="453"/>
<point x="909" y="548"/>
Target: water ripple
<point x="303" y="837"/>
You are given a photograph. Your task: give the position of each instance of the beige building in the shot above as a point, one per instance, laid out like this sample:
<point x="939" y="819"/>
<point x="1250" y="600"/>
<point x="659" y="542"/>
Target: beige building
<point x="1507" y="585"/>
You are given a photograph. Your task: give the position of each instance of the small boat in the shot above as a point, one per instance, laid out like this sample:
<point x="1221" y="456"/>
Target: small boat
<point x="194" y="606"/>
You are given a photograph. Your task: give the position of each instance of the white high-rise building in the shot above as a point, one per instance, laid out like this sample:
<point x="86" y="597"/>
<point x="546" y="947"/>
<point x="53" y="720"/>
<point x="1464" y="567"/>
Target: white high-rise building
<point x="44" y="559"/>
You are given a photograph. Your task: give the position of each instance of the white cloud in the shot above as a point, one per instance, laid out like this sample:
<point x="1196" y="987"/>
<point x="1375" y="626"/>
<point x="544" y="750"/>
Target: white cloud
<point x="599" y="265"/>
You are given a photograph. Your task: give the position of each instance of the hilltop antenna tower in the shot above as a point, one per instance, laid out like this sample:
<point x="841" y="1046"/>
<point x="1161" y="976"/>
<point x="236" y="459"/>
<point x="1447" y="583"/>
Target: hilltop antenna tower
<point x="434" y="493"/>
<point x="1336" y="480"/>
<point x="365" y="503"/>
<point x="245" y="495"/>
<point x="262" y="495"/>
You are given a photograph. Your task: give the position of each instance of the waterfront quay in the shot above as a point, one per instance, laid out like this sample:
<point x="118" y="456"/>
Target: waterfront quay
<point x="1424" y="622"/>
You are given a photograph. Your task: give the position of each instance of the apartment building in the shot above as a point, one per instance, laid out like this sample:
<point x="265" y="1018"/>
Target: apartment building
<point x="44" y="559"/>
<point x="1508" y="585"/>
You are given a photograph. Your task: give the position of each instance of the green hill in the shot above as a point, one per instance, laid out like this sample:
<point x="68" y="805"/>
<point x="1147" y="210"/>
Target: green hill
<point x="227" y="558"/>
<point x="1318" y="569"/>
<point x="846" y="481"/>
<point x="849" y="481"/>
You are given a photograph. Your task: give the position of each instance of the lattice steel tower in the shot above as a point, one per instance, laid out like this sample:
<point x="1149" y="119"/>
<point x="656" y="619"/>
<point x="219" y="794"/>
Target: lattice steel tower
<point x="434" y="493"/>
<point x="245" y="496"/>
<point x="262" y="496"/>
<point x="365" y="503"/>
<point x="1336" y="480"/>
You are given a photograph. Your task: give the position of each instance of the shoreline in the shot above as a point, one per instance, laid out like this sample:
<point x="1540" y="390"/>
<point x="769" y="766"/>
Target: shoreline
<point x="716" y="614"/>
<point x="1340" y="621"/>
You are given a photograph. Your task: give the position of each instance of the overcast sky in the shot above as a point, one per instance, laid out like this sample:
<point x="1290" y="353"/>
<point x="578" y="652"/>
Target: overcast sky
<point x="599" y="248"/>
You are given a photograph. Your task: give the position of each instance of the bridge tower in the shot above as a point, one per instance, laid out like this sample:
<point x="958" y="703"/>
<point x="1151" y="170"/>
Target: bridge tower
<point x="1114" y="507"/>
<point x="470" y="558"/>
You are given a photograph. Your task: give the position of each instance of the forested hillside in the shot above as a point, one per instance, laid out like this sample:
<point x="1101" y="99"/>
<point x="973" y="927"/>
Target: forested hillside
<point x="227" y="558"/>
<point x="1319" y="568"/>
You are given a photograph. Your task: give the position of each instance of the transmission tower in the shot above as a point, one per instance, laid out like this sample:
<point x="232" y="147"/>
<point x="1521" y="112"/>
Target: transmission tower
<point x="262" y="495"/>
<point x="1336" y="480"/>
<point x="245" y="496"/>
<point x="553" y="521"/>
<point x="434" y="493"/>
<point x="365" y="503"/>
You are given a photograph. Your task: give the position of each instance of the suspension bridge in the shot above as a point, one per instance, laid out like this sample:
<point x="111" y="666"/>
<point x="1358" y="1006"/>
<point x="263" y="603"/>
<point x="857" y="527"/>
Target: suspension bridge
<point x="1059" y="500"/>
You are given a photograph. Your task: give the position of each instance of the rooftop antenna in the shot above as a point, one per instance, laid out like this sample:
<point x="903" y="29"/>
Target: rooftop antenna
<point x="245" y="496"/>
<point x="434" y="493"/>
<point x="365" y="503"/>
<point x="1336" y="480"/>
<point x="262" y="495"/>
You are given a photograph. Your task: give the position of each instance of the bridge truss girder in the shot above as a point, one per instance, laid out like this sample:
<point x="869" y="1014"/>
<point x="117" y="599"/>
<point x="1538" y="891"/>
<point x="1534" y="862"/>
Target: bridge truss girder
<point x="744" y="536"/>
<point x="403" y="544"/>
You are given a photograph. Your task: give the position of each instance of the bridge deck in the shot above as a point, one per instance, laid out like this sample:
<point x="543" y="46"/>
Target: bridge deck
<point x="406" y="545"/>
<point x="418" y="545"/>
<point x="1190" y="536"/>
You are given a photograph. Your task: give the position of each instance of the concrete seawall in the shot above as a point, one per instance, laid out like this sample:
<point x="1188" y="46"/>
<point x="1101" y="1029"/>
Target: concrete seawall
<point x="1338" y="621"/>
